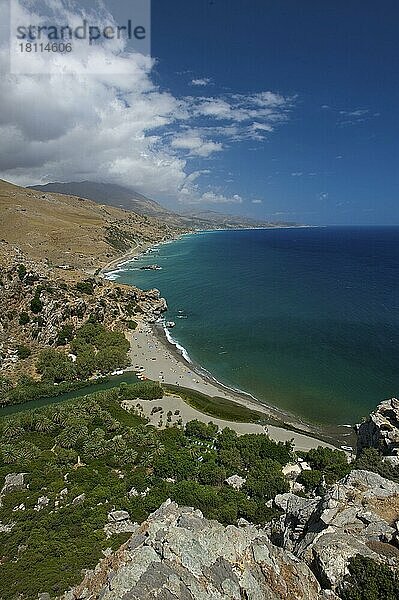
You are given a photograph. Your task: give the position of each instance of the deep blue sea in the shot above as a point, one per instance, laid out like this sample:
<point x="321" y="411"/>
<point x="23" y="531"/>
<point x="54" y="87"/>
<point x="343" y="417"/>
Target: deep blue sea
<point x="303" y="319"/>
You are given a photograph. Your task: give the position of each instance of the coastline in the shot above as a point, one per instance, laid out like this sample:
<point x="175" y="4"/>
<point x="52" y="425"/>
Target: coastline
<point x="160" y="361"/>
<point x="143" y="248"/>
<point x="155" y="339"/>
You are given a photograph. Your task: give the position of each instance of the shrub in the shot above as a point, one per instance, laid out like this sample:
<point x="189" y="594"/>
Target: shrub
<point x="368" y="580"/>
<point x="23" y="352"/>
<point x="211" y="474"/>
<point x="201" y="430"/>
<point x="265" y="480"/>
<point x="333" y="463"/>
<point x="371" y="460"/>
<point x="36" y="304"/>
<point x="310" y="479"/>
<point x="55" y="366"/>
<point x="85" y="364"/>
<point x="86" y="287"/>
<point x="109" y="359"/>
<point x="21" y="271"/>
<point x="259" y="447"/>
<point x="147" y="390"/>
<point x="24" y="318"/>
<point x="65" y="335"/>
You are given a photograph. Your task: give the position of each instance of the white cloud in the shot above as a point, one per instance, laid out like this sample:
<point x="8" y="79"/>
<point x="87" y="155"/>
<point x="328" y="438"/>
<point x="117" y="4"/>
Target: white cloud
<point x="264" y="110"/>
<point x="215" y="198"/>
<point x="353" y="116"/>
<point x="121" y="128"/>
<point x="201" y="82"/>
<point x="257" y="201"/>
<point x="195" y="144"/>
<point x="297" y="174"/>
<point x="323" y="195"/>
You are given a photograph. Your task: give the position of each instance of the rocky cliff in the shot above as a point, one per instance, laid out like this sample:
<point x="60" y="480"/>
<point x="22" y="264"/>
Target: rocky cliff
<point x="178" y="554"/>
<point x="58" y="302"/>
<point x="381" y="430"/>
<point x="357" y="515"/>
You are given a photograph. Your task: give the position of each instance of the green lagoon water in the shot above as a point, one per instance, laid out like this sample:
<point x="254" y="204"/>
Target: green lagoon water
<point x="110" y="382"/>
<point x="303" y="319"/>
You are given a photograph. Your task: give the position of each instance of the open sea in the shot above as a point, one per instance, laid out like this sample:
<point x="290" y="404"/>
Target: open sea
<point x="303" y="319"/>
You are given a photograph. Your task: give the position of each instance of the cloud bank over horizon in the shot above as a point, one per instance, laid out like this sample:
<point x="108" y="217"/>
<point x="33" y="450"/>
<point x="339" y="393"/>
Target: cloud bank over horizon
<point x="123" y="128"/>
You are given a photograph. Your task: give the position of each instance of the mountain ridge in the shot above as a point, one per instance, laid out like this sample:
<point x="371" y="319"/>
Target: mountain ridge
<point x="128" y="199"/>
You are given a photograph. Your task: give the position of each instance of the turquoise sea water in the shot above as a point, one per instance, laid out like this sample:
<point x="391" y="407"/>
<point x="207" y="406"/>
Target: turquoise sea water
<point x="303" y="319"/>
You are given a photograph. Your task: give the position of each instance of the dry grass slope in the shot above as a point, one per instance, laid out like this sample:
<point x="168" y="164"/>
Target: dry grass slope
<point x="63" y="229"/>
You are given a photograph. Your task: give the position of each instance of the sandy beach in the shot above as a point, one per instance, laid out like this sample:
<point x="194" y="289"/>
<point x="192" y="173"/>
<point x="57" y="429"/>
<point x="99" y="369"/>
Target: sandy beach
<point x="160" y="361"/>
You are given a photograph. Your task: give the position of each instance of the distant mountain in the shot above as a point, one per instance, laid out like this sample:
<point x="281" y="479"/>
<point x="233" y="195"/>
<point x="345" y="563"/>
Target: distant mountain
<point x="224" y="221"/>
<point x="107" y="193"/>
<point x="123" y="197"/>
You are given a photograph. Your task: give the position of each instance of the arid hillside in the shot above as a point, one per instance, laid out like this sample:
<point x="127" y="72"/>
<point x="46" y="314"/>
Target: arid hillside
<point x="68" y="230"/>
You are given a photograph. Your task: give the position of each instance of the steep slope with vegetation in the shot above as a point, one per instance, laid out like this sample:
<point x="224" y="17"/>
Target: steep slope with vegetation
<point x="87" y="458"/>
<point x="42" y="311"/>
<point x="68" y="230"/>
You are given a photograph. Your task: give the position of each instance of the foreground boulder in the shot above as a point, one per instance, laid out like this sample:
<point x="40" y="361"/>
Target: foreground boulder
<point x="381" y="429"/>
<point x="119" y="522"/>
<point x="13" y="482"/>
<point x="178" y="554"/>
<point x="357" y="515"/>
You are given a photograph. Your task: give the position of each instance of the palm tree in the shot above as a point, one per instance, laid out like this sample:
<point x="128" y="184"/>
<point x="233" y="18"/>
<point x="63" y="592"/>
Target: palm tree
<point x="8" y="453"/>
<point x="147" y="458"/>
<point x="12" y="429"/>
<point x="156" y="447"/>
<point x="44" y="424"/>
<point x="60" y="416"/>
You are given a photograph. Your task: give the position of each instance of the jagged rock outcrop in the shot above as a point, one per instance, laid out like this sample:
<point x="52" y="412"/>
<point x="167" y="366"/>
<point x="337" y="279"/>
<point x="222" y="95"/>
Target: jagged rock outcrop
<point x="13" y="483"/>
<point x="381" y="429"/>
<point x="177" y="554"/>
<point x="357" y="515"/>
<point x="119" y="522"/>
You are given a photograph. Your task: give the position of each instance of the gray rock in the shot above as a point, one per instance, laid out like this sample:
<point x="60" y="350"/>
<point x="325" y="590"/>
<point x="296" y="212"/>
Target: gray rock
<point x="370" y="485"/>
<point x="6" y="527"/>
<point x="14" y="482"/>
<point x="41" y="503"/>
<point x="119" y="522"/>
<point x="331" y="554"/>
<point x="354" y="515"/>
<point x="235" y="481"/>
<point x="178" y="554"/>
<point x="118" y="515"/>
<point x="381" y="429"/>
<point x="79" y="499"/>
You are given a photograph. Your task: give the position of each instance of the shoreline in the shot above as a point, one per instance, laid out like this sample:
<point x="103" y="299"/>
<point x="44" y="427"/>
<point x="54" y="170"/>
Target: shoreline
<point x="141" y="249"/>
<point x="281" y="424"/>
<point x="163" y="362"/>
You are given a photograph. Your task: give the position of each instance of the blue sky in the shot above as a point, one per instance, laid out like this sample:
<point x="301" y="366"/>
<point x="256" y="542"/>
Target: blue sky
<point x="284" y="109"/>
<point x="336" y="158"/>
